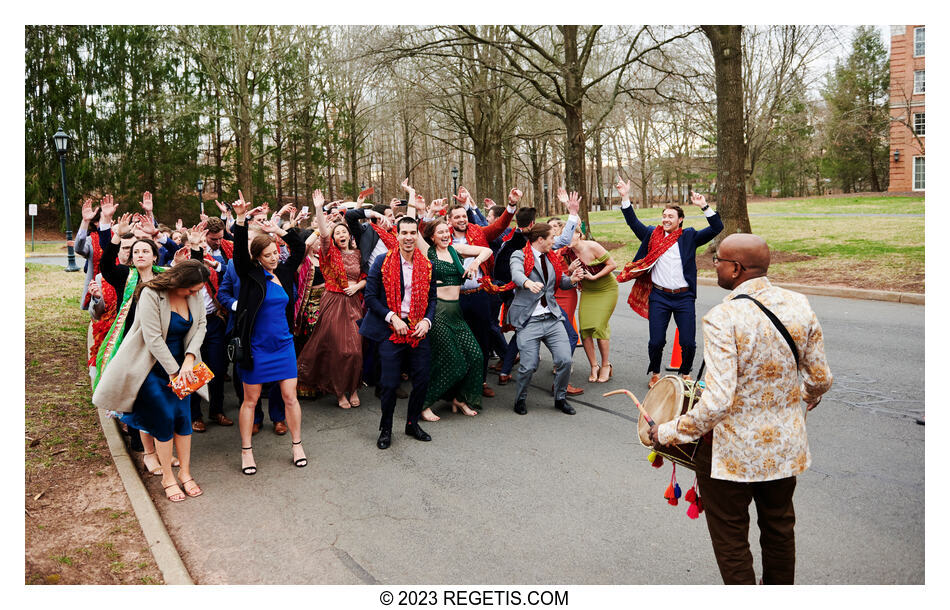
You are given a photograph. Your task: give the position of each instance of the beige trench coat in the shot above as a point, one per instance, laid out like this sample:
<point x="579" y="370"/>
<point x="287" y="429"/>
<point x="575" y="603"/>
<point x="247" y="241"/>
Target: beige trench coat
<point x="143" y="346"/>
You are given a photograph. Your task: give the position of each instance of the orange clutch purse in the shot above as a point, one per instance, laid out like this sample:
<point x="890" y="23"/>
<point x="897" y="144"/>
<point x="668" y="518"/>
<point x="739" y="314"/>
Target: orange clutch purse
<point x="182" y="388"/>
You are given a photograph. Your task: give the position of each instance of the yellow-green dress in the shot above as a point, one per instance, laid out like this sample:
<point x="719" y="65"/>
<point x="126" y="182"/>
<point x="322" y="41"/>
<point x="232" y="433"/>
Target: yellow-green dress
<point x="598" y="300"/>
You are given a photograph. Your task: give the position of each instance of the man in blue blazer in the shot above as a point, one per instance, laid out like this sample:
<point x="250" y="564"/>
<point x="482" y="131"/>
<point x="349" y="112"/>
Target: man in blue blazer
<point x="399" y="339"/>
<point x="673" y="276"/>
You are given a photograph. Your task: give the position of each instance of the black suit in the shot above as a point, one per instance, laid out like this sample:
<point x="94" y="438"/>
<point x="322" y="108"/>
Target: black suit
<point x="394" y="355"/>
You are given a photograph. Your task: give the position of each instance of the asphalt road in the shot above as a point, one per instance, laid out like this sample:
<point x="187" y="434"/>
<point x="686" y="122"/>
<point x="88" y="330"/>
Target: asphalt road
<point x="548" y="498"/>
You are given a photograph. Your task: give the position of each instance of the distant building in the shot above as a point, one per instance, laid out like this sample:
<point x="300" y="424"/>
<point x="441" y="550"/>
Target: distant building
<point x="907" y="108"/>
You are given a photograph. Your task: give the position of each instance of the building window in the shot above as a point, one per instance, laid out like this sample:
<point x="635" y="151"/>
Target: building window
<point x="918" y="42"/>
<point x="918" y="173"/>
<point x="919" y="81"/>
<point x="919" y="123"/>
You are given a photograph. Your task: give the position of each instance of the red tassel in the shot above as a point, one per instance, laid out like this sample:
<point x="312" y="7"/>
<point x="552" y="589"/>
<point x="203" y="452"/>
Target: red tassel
<point x="690" y="495"/>
<point x="699" y="503"/>
<point x="658" y="462"/>
<point x="692" y="512"/>
<point x="669" y="493"/>
<point x="673" y="501"/>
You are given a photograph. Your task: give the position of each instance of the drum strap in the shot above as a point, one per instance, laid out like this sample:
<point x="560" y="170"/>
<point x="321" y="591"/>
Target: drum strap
<point x="778" y="324"/>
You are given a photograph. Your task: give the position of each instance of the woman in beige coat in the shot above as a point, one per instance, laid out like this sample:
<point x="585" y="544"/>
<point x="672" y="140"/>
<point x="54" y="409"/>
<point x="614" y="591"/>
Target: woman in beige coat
<point x="163" y="343"/>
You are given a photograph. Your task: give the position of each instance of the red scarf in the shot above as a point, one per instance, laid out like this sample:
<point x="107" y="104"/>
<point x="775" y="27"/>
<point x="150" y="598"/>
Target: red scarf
<point x="528" y="267"/>
<point x="227" y="247"/>
<point x="419" y="297"/>
<point x="475" y="236"/>
<point x="100" y="327"/>
<point x="642" y="270"/>
<point x="331" y="264"/>
<point x="387" y="237"/>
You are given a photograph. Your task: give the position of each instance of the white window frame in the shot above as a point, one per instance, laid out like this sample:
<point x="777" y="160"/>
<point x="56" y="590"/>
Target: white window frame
<point x="922" y="82"/>
<point x="923" y="176"/>
<point x="923" y="124"/>
<point x="923" y="42"/>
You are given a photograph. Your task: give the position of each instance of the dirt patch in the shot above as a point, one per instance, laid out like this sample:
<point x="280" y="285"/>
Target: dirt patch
<point x="797" y="268"/>
<point x="611" y="245"/>
<point x="80" y="528"/>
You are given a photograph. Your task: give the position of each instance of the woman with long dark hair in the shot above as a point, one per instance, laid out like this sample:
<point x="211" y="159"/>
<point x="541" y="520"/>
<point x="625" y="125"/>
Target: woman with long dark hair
<point x="310" y="289"/>
<point x="163" y="344"/>
<point x="332" y="359"/>
<point x="264" y="317"/>
<point x="456" y="355"/>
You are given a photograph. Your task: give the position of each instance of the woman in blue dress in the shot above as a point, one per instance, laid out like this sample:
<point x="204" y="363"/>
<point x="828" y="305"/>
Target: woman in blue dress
<point x="162" y="345"/>
<point x="263" y="323"/>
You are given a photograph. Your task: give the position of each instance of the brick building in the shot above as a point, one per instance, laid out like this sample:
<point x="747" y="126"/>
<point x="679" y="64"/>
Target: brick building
<point x="907" y="108"/>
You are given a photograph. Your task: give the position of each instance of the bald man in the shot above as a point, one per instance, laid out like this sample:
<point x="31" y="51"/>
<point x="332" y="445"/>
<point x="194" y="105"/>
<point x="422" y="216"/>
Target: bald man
<point x="750" y="417"/>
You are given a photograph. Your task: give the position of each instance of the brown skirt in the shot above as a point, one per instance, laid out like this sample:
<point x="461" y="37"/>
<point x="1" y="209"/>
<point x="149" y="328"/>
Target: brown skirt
<point x="332" y="359"/>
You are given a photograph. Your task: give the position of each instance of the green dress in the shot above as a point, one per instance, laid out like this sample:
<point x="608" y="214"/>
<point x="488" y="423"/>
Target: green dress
<point x="598" y="300"/>
<point x="456" y="355"/>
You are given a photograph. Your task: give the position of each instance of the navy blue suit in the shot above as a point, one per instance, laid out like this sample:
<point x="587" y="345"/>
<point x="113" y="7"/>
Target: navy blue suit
<point x="392" y="355"/>
<point x="682" y="306"/>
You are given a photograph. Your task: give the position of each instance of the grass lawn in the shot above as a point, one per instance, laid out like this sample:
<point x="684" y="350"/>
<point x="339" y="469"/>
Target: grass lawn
<point x="79" y="527"/>
<point x="47" y="248"/>
<point x="884" y="253"/>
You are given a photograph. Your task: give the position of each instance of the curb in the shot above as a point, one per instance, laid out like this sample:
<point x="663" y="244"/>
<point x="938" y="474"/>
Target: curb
<point x="910" y="298"/>
<point x="159" y="542"/>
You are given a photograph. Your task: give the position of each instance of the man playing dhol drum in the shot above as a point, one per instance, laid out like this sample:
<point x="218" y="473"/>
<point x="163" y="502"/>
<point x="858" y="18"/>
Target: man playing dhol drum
<point x="752" y="406"/>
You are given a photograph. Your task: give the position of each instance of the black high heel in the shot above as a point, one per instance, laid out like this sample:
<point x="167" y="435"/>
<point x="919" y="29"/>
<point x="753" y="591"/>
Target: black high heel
<point x="248" y="470"/>
<point x="300" y="462"/>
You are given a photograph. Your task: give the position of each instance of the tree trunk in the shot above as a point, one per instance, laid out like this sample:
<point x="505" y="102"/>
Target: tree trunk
<point x="278" y="144"/>
<point x="726" y="41"/>
<point x="574" y="121"/>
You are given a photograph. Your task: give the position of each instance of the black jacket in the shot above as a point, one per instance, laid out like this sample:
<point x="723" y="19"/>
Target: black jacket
<point x="253" y="285"/>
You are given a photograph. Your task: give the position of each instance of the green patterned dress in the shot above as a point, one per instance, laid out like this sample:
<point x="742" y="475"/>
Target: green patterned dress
<point x="456" y="356"/>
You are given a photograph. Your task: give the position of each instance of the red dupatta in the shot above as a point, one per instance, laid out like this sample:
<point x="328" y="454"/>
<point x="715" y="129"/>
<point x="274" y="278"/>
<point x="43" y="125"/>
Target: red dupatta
<point x="419" y="297"/>
<point x="642" y="270"/>
<point x="528" y="268"/>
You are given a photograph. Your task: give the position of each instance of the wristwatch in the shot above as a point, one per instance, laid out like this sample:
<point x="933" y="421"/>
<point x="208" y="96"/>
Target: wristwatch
<point x="705" y="207"/>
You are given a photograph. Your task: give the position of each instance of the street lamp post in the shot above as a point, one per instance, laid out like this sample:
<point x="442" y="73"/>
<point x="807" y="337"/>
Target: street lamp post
<point x="546" y="208"/>
<point x="61" y="140"/>
<point x="201" y="199"/>
<point x="455" y="180"/>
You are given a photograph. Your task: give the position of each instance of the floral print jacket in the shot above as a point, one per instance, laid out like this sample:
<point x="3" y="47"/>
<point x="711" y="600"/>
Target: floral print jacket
<point x="753" y="397"/>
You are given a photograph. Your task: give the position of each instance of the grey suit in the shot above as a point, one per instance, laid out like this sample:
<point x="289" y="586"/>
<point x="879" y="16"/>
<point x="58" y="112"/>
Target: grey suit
<point x="532" y="330"/>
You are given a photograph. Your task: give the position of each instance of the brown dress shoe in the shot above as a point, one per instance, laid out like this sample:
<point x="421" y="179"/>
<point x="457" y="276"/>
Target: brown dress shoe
<point x="280" y="428"/>
<point x="198" y="426"/>
<point x="503" y="379"/>
<point x="573" y="391"/>
<point x="255" y="429"/>
<point x="487" y="391"/>
<point x="221" y="420"/>
<point x="654" y="379"/>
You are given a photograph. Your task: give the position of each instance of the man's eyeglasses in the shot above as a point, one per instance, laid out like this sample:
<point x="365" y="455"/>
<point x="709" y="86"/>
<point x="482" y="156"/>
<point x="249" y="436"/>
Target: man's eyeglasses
<point x="717" y="260"/>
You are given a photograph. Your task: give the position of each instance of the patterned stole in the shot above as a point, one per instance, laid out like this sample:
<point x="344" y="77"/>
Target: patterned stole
<point x="387" y="237"/>
<point x="419" y="296"/>
<point x="528" y="267"/>
<point x="642" y="270"/>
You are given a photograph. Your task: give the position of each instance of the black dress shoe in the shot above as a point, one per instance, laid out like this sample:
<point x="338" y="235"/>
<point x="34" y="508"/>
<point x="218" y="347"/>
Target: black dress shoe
<point x="521" y="408"/>
<point x="418" y="433"/>
<point x="385" y="438"/>
<point x="563" y="406"/>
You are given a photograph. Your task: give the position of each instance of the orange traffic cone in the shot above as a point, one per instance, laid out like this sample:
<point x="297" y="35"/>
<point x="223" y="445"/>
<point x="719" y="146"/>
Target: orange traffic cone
<point x="676" y="360"/>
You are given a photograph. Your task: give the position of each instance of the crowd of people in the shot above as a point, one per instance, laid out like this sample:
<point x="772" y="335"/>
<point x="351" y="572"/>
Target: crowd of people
<point x="373" y="295"/>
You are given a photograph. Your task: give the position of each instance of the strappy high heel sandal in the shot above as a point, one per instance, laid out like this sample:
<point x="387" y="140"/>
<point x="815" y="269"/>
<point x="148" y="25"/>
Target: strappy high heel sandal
<point x="157" y="471"/>
<point x="248" y="470"/>
<point x="299" y="462"/>
<point x="594" y="369"/>
<point x="610" y="373"/>
<point x="175" y="497"/>
<point x="195" y="492"/>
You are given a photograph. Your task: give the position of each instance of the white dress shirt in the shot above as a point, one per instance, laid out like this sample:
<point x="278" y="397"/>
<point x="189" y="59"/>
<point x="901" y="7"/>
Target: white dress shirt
<point x="540" y="309"/>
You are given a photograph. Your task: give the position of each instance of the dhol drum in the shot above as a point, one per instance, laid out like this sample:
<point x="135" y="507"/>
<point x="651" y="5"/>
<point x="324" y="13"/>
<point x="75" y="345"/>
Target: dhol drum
<point x="667" y="400"/>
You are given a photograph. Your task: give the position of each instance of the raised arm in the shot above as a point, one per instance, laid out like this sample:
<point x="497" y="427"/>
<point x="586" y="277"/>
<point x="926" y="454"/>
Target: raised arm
<point x="567" y="234"/>
<point x="639" y="229"/>
<point x="242" y="256"/>
<point x="501" y="223"/>
<point x="704" y="236"/>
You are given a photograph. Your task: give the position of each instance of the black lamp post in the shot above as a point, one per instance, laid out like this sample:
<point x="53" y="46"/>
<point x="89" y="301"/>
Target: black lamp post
<point x="61" y="140"/>
<point x="455" y="180"/>
<point x="201" y="199"/>
<point x="546" y="208"/>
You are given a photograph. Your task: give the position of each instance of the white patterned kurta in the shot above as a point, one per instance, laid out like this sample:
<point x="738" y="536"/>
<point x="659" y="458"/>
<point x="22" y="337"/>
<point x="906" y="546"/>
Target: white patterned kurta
<point x="753" y="399"/>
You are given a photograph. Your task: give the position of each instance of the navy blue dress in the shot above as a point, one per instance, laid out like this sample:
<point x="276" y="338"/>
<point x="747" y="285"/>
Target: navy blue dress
<point x="272" y="345"/>
<point x="157" y="410"/>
